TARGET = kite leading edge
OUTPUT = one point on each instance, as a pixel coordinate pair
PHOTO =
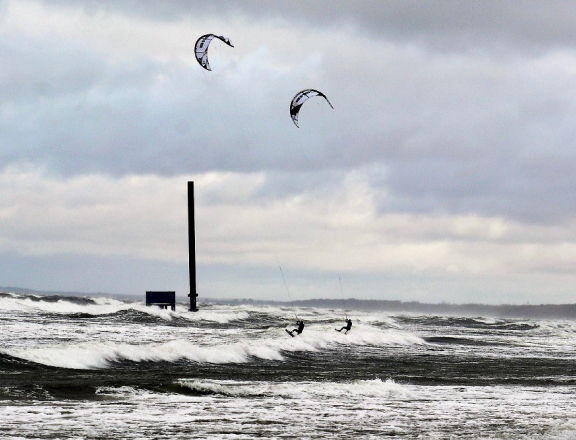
(201, 48)
(300, 99)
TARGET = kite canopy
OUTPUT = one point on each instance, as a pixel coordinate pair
(201, 48)
(300, 99)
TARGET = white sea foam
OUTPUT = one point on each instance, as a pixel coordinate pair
(102, 300)
(356, 409)
(122, 391)
(365, 335)
(62, 306)
(109, 306)
(322, 337)
(222, 317)
(298, 390)
(486, 320)
(275, 408)
(377, 318)
(101, 355)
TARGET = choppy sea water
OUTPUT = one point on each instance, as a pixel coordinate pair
(97, 368)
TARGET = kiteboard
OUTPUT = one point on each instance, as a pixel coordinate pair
(288, 331)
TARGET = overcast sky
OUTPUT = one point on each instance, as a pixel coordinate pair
(445, 172)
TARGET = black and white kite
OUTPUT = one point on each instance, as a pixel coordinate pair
(201, 48)
(300, 99)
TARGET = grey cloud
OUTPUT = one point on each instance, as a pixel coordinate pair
(534, 191)
(459, 132)
(454, 25)
(77, 111)
(34, 69)
(444, 145)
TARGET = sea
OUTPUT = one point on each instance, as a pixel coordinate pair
(103, 368)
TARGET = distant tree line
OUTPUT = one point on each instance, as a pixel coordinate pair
(550, 311)
(537, 311)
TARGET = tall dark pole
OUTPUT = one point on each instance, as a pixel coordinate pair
(191, 248)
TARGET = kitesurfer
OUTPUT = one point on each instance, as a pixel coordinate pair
(298, 330)
(347, 327)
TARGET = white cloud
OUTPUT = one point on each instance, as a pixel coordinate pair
(145, 217)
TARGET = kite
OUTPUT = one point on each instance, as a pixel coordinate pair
(201, 48)
(300, 99)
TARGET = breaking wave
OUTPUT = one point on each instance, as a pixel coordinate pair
(105, 306)
(104, 355)
(296, 390)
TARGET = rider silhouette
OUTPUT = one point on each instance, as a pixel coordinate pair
(347, 327)
(298, 330)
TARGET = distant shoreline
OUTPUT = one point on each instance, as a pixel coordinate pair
(543, 311)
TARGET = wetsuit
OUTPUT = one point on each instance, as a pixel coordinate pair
(297, 330)
(347, 327)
